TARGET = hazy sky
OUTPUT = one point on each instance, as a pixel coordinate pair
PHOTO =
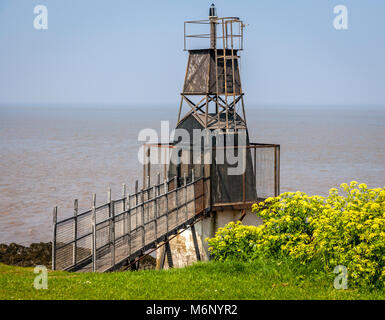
(131, 52)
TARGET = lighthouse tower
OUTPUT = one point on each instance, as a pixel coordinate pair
(212, 105)
(212, 115)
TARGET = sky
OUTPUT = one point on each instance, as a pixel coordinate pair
(119, 52)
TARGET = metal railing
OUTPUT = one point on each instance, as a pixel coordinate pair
(221, 31)
(104, 237)
(262, 172)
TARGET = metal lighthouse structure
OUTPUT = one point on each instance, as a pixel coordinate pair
(209, 174)
(212, 109)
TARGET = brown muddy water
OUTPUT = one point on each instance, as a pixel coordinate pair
(49, 156)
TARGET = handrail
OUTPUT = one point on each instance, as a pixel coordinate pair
(110, 224)
(216, 22)
(105, 205)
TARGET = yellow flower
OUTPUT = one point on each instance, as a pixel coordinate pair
(375, 206)
(353, 184)
(344, 186)
(313, 227)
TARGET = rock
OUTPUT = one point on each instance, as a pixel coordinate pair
(18, 255)
(3, 248)
(146, 263)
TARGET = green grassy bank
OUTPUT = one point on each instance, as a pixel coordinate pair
(211, 280)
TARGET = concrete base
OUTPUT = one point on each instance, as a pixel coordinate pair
(182, 246)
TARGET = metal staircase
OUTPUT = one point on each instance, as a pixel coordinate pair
(121, 231)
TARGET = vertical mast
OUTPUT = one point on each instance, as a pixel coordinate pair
(213, 27)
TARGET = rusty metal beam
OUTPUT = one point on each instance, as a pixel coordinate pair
(196, 246)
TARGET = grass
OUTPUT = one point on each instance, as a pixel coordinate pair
(206, 280)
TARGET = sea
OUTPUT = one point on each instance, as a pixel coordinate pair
(53, 154)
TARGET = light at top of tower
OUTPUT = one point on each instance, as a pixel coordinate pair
(212, 11)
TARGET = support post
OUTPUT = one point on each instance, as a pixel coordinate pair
(185, 196)
(109, 215)
(136, 202)
(163, 258)
(156, 211)
(94, 232)
(166, 156)
(176, 199)
(148, 197)
(276, 170)
(148, 167)
(112, 226)
(76, 209)
(166, 195)
(157, 203)
(143, 224)
(54, 217)
(213, 33)
(180, 106)
(144, 166)
(255, 171)
(195, 240)
(193, 190)
(169, 256)
(129, 224)
(124, 222)
(207, 107)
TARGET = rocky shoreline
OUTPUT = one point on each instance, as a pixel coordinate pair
(34, 255)
(41, 254)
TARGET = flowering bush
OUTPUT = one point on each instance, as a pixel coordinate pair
(346, 228)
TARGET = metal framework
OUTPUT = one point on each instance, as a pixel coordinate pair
(223, 71)
(122, 231)
(221, 22)
(265, 159)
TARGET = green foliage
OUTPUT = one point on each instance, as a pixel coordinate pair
(342, 229)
